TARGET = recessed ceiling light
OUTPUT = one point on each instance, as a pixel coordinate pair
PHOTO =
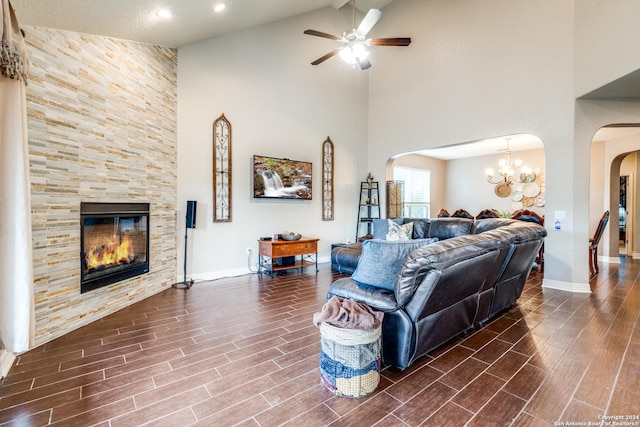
(219, 7)
(165, 12)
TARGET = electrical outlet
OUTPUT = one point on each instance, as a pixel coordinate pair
(248, 251)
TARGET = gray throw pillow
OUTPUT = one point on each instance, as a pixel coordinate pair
(381, 260)
(420, 227)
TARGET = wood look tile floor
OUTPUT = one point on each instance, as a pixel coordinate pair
(243, 351)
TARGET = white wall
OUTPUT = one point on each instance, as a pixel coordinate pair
(477, 70)
(278, 105)
(474, 70)
(604, 51)
(606, 34)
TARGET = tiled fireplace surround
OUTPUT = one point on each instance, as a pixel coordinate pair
(102, 128)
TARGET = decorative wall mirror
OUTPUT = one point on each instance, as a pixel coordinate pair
(221, 170)
(327, 180)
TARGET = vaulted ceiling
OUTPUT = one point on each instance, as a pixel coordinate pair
(192, 20)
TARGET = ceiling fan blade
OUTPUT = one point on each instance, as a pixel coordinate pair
(321, 34)
(369, 21)
(390, 41)
(325, 57)
(365, 64)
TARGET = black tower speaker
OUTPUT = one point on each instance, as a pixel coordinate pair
(191, 213)
(191, 223)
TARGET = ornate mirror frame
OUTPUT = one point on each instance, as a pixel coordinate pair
(327, 180)
(221, 170)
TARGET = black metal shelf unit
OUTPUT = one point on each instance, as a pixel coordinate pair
(368, 209)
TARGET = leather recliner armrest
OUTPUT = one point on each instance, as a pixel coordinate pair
(377, 298)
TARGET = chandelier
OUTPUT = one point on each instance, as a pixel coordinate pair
(510, 170)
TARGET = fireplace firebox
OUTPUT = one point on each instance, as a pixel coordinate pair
(114, 243)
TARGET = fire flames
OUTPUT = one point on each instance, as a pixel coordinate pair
(109, 253)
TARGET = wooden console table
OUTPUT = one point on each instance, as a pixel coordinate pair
(270, 250)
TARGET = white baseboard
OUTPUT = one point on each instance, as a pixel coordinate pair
(6, 361)
(566, 286)
(609, 259)
(636, 255)
(214, 275)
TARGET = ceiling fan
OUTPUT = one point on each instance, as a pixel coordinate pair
(354, 42)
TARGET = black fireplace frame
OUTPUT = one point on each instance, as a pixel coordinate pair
(107, 210)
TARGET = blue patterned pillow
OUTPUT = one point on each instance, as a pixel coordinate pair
(381, 260)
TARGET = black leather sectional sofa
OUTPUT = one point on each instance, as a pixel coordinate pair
(476, 270)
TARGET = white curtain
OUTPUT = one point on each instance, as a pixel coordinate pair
(16, 267)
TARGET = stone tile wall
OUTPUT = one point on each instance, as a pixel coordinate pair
(102, 128)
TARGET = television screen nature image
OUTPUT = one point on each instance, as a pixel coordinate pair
(281, 178)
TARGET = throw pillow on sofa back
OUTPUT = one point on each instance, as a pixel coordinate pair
(420, 227)
(381, 227)
(399, 232)
(381, 260)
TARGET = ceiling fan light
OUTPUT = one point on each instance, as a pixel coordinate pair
(347, 55)
(165, 12)
(353, 49)
(351, 54)
(359, 51)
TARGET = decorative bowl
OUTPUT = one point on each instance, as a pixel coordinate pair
(291, 236)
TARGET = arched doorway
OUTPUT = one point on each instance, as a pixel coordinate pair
(615, 166)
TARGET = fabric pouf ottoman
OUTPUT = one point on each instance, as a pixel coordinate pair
(350, 360)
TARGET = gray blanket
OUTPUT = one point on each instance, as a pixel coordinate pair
(349, 314)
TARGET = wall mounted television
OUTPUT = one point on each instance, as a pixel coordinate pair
(275, 178)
